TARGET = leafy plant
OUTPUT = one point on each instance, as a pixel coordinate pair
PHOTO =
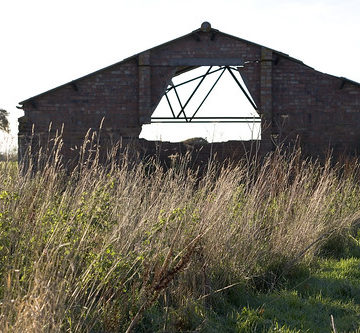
(108, 246)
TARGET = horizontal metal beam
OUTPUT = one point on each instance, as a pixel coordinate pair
(204, 121)
(169, 118)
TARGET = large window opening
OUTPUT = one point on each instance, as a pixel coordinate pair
(208, 102)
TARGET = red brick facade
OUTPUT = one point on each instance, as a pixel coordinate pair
(295, 101)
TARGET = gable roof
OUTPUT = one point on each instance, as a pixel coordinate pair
(205, 27)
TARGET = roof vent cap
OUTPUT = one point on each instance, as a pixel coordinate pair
(205, 27)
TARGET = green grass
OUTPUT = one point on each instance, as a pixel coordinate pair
(332, 289)
(303, 302)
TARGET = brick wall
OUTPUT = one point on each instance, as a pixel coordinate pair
(320, 110)
(295, 101)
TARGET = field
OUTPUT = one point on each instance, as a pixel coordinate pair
(131, 247)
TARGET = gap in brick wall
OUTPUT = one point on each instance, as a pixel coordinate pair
(225, 100)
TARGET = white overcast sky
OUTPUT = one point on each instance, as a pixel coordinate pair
(45, 43)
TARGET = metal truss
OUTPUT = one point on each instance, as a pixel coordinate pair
(181, 116)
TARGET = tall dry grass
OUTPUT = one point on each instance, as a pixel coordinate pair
(95, 249)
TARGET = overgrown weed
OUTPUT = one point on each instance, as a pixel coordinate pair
(102, 247)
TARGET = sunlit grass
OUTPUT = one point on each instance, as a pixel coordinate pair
(131, 246)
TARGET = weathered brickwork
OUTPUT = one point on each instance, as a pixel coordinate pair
(296, 103)
(321, 110)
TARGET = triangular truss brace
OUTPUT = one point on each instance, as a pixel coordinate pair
(181, 116)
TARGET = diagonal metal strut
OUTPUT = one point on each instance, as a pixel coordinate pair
(193, 93)
(194, 79)
(213, 86)
(242, 89)
(178, 98)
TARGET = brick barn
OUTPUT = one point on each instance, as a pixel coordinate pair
(295, 103)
